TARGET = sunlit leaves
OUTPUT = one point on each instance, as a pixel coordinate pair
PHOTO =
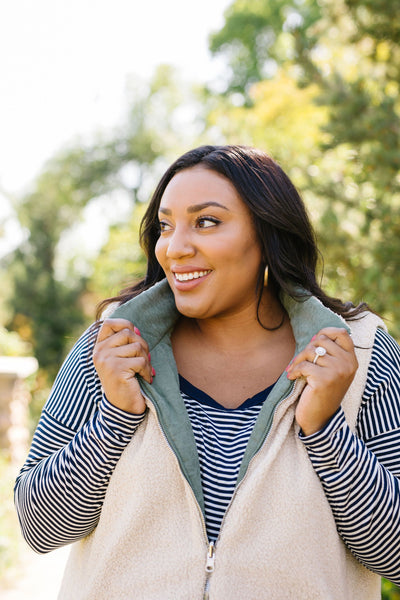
(330, 112)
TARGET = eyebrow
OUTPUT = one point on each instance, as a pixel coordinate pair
(194, 208)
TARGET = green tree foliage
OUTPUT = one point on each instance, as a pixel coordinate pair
(120, 261)
(258, 35)
(51, 291)
(45, 310)
(347, 54)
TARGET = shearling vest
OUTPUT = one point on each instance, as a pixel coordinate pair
(278, 539)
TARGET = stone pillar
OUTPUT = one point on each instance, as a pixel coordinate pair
(14, 400)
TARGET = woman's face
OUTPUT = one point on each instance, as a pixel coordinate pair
(208, 247)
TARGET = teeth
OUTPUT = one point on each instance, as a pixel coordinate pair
(189, 276)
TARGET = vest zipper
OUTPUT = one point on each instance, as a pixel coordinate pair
(285, 400)
(209, 568)
(211, 546)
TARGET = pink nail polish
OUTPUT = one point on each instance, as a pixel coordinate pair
(136, 330)
(313, 338)
(153, 372)
(149, 355)
(289, 365)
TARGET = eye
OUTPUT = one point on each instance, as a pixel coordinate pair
(206, 222)
(164, 226)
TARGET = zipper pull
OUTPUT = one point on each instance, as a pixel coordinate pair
(210, 558)
(209, 569)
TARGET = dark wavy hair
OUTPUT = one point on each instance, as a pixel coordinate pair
(280, 219)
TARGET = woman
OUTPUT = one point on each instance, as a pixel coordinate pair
(236, 434)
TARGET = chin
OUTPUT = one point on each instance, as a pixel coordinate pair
(190, 311)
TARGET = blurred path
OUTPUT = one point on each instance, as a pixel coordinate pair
(39, 576)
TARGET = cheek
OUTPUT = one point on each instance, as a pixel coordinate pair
(247, 252)
(159, 251)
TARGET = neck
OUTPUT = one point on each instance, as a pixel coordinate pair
(242, 329)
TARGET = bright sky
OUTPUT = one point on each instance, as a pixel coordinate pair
(64, 66)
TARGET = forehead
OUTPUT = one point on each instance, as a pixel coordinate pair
(198, 185)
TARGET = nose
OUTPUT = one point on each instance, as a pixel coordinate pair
(180, 244)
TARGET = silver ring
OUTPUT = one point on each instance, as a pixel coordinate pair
(319, 351)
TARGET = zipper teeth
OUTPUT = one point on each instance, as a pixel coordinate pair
(284, 401)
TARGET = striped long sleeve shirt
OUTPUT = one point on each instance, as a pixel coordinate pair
(80, 437)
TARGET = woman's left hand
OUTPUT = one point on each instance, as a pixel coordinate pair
(328, 378)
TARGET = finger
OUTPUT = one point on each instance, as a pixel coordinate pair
(131, 350)
(120, 345)
(123, 338)
(335, 341)
(111, 326)
(338, 335)
(303, 369)
(139, 365)
(340, 362)
(309, 354)
(129, 359)
(332, 349)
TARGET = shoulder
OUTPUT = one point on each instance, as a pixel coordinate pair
(109, 309)
(363, 328)
(77, 388)
(386, 346)
(380, 408)
(385, 362)
(81, 352)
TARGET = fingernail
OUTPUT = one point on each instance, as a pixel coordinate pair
(153, 372)
(149, 355)
(313, 338)
(136, 330)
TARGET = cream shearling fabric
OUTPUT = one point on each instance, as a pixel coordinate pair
(280, 534)
(117, 560)
(278, 539)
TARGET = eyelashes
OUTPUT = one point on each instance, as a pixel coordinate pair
(162, 226)
(202, 222)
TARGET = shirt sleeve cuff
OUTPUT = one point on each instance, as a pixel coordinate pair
(121, 423)
(320, 437)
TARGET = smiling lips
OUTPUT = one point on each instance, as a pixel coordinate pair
(191, 275)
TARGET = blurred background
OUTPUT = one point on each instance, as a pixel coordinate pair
(97, 99)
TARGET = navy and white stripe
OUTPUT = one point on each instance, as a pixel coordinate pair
(61, 487)
(60, 490)
(221, 436)
(361, 474)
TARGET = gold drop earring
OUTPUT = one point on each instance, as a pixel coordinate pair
(266, 276)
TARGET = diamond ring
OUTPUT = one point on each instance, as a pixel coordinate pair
(319, 351)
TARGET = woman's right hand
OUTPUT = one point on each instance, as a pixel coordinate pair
(119, 354)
